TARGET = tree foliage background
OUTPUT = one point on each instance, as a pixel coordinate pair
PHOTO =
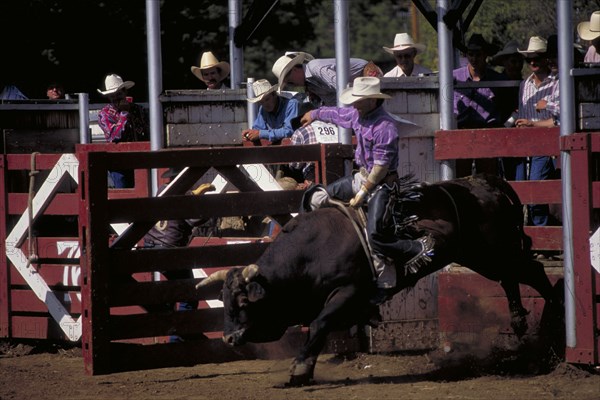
(78, 42)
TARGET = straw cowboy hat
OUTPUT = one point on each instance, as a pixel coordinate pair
(113, 83)
(403, 41)
(261, 88)
(208, 60)
(363, 88)
(590, 30)
(285, 63)
(536, 46)
(509, 49)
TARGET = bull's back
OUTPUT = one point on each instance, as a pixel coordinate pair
(318, 251)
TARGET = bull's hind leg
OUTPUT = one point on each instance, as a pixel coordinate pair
(529, 273)
(518, 313)
(532, 274)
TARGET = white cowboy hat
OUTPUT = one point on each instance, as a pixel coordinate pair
(113, 83)
(284, 65)
(208, 60)
(403, 41)
(363, 88)
(590, 30)
(261, 88)
(536, 45)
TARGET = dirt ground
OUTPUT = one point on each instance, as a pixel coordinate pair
(29, 371)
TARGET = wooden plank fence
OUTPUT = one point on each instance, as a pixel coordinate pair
(111, 340)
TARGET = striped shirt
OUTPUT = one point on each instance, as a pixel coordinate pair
(530, 94)
(321, 77)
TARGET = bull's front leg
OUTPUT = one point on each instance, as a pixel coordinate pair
(303, 366)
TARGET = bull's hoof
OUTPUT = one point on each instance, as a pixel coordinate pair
(300, 380)
(519, 325)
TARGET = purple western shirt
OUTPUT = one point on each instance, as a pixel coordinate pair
(376, 134)
(475, 107)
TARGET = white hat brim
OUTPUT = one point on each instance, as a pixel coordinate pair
(347, 97)
(225, 69)
(260, 97)
(583, 29)
(124, 85)
(417, 46)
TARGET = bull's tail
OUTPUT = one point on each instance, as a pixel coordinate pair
(519, 217)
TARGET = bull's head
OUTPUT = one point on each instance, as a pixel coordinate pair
(241, 297)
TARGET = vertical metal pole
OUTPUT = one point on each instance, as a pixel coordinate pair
(446, 95)
(567, 127)
(252, 107)
(342, 57)
(84, 118)
(236, 55)
(154, 82)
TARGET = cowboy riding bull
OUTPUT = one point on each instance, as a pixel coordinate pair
(317, 271)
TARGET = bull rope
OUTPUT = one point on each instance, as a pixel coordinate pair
(359, 231)
(30, 242)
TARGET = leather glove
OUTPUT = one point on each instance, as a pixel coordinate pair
(359, 197)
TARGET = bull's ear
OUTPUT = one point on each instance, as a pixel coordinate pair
(255, 291)
(220, 296)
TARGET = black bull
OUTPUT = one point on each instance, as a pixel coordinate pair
(316, 273)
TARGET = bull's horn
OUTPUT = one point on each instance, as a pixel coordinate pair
(250, 272)
(214, 277)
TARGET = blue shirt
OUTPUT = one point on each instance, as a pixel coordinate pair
(376, 134)
(476, 107)
(277, 125)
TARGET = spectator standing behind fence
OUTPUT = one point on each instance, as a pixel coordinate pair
(55, 91)
(318, 77)
(590, 30)
(539, 89)
(212, 71)
(477, 107)
(404, 51)
(275, 114)
(121, 120)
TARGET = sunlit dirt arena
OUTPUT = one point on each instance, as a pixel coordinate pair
(30, 372)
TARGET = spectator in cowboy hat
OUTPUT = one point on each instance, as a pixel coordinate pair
(318, 77)
(275, 113)
(121, 120)
(537, 91)
(477, 107)
(591, 31)
(512, 61)
(404, 51)
(211, 71)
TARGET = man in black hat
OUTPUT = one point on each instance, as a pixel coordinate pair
(476, 107)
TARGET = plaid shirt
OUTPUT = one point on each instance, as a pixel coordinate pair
(122, 126)
(304, 135)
